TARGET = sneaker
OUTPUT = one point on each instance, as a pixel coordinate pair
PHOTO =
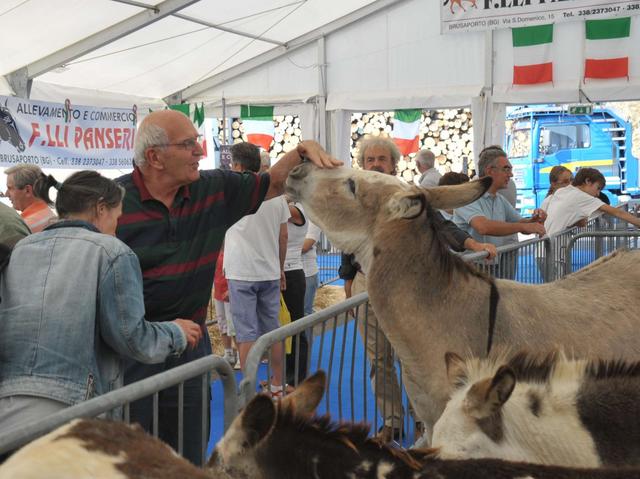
(230, 357)
(237, 365)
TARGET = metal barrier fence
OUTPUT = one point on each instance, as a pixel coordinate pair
(589, 246)
(328, 261)
(336, 335)
(116, 403)
(335, 332)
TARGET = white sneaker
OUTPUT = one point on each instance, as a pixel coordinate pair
(231, 358)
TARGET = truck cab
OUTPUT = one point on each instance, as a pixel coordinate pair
(542, 137)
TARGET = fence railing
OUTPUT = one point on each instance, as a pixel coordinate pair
(337, 338)
(598, 244)
(120, 399)
(328, 261)
(335, 332)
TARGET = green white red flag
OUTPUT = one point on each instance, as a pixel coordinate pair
(406, 128)
(607, 45)
(532, 54)
(258, 125)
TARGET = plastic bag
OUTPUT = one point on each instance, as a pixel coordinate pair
(285, 318)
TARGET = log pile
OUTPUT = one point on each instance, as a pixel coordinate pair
(447, 133)
(287, 134)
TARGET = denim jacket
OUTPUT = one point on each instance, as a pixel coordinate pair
(71, 307)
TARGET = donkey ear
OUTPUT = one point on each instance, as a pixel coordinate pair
(456, 370)
(258, 418)
(455, 196)
(486, 397)
(306, 397)
(405, 205)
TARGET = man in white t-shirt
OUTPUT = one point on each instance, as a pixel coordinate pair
(310, 266)
(425, 162)
(254, 253)
(571, 205)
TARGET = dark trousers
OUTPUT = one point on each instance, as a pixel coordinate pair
(141, 411)
(294, 299)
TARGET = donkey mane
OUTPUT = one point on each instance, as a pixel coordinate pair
(354, 435)
(533, 368)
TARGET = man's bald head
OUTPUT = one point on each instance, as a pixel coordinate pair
(160, 128)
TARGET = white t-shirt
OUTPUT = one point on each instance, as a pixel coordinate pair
(545, 202)
(251, 251)
(430, 178)
(297, 234)
(567, 206)
(310, 258)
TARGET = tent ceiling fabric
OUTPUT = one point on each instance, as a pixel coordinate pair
(391, 55)
(148, 61)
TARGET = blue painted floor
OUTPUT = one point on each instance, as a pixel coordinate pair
(353, 401)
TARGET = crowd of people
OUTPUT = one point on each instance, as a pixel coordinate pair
(113, 286)
(126, 272)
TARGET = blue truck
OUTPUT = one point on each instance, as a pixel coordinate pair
(574, 136)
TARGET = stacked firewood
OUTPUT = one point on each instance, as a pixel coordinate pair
(447, 133)
(287, 134)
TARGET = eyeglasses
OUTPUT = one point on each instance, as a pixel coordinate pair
(188, 144)
(504, 169)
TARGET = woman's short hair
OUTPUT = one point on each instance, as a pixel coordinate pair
(81, 192)
(453, 178)
(591, 174)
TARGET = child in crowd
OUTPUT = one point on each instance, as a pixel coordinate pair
(575, 203)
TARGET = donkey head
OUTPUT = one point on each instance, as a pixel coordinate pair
(243, 451)
(472, 420)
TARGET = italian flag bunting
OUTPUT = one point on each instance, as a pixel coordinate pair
(181, 107)
(606, 48)
(532, 54)
(258, 125)
(406, 126)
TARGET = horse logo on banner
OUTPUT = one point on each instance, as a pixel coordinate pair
(9, 130)
(459, 3)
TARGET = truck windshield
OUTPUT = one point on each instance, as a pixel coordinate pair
(520, 143)
(554, 138)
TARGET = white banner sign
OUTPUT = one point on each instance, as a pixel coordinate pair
(473, 15)
(56, 135)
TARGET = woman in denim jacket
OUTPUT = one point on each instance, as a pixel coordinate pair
(71, 307)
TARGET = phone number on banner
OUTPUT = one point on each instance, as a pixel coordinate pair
(602, 10)
(63, 162)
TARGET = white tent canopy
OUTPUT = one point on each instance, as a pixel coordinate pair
(310, 56)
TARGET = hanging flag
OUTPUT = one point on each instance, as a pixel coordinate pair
(182, 107)
(607, 48)
(198, 115)
(406, 126)
(532, 54)
(258, 124)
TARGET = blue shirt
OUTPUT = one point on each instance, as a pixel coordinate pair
(493, 207)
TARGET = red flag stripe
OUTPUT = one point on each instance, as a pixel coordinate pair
(532, 74)
(609, 68)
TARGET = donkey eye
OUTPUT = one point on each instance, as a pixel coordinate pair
(352, 185)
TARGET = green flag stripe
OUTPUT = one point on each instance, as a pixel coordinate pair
(608, 28)
(182, 107)
(529, 36)
(256, 112)
(407, 116)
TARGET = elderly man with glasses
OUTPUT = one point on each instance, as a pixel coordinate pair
(491, 218)
(174, 217)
